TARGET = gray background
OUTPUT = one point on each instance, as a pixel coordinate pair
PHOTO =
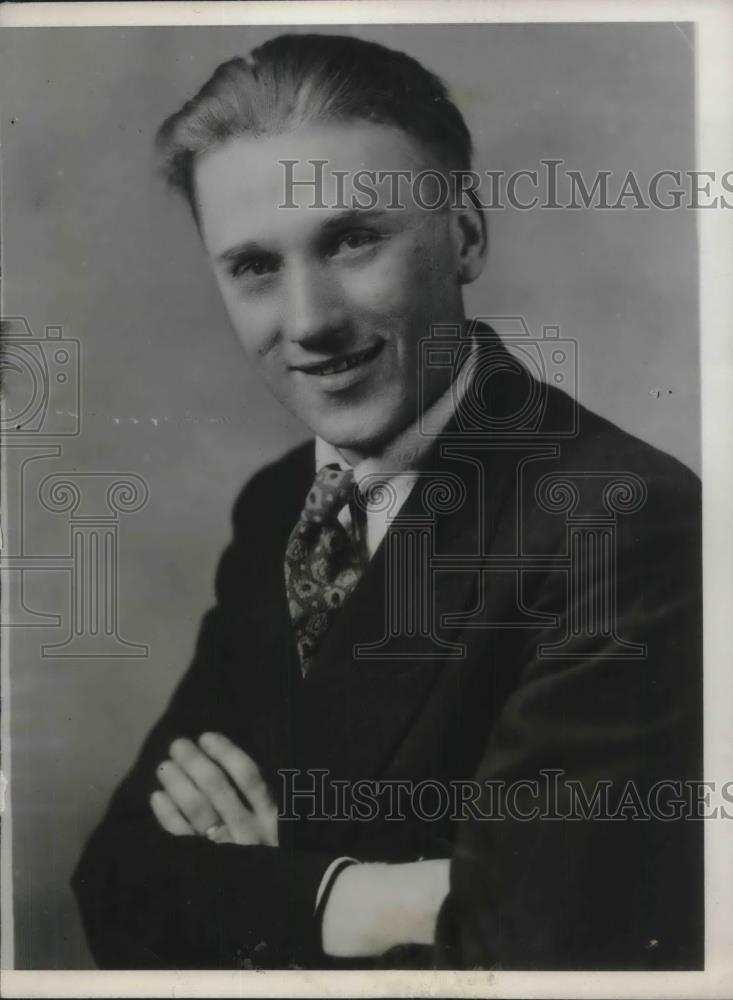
(92, 242)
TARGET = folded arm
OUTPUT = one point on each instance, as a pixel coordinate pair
(152, 900)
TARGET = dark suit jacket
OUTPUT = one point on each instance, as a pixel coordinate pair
(523, 674)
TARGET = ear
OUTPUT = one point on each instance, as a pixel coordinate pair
(472, 241)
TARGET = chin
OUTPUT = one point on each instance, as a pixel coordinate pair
(365, 425)
(360, 438)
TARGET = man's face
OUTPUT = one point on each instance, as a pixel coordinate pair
(331, 303)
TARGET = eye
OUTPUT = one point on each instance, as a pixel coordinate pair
(255, 267)
(355, 240)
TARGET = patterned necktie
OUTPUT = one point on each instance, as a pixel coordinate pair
(323, 562)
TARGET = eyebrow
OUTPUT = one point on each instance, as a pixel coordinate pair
(352, 216)
(240, 250)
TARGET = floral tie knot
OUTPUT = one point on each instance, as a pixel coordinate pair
(331, 491)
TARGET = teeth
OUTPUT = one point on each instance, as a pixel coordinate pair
(342, 366)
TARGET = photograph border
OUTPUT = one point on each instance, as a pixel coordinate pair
(713, 23)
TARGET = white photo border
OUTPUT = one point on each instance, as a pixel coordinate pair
(713, 22)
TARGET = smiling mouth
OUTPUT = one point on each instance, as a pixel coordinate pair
(342, 363)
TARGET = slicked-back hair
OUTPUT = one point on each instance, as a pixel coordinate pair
(292, 80)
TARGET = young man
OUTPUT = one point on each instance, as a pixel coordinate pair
(447, 703)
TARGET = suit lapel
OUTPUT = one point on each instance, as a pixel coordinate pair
(390, 643)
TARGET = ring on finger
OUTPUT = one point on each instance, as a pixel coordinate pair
(215, 832)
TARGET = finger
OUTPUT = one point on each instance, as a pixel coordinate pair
(212, 781)
(220, 834)
(191, 802)
(169, 816)
(246, 776)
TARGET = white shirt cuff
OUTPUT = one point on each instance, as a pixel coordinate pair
(327, 875)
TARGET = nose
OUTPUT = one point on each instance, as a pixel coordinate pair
(313, 308)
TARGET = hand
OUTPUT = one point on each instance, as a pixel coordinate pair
(214, 789)
(374, 907)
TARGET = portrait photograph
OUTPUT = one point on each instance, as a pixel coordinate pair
(366, 541)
